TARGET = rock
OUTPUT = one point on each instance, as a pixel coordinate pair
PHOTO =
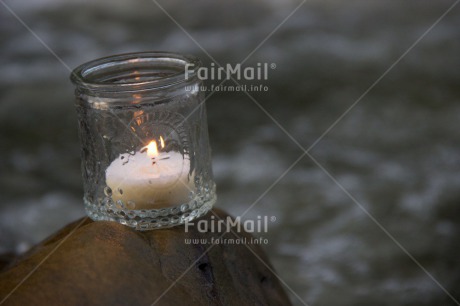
(106, 263)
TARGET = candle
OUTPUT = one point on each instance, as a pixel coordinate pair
(150, 178)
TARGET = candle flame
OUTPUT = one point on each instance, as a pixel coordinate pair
(152, 149)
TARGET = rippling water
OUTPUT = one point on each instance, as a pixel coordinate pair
(360, 238)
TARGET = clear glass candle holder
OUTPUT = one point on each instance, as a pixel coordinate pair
(146, 159)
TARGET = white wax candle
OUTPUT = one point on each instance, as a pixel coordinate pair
(150, 179)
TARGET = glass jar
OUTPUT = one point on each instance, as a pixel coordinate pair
(146, 159)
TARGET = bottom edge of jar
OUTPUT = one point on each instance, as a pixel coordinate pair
(148, 219)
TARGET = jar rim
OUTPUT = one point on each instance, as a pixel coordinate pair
(129, 72)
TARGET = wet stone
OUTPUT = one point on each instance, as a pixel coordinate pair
(102, 263)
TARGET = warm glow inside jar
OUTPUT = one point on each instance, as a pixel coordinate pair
(146, 159)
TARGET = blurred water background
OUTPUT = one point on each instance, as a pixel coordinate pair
(396, 152)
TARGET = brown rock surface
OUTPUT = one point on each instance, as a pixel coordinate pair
(106, 263)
